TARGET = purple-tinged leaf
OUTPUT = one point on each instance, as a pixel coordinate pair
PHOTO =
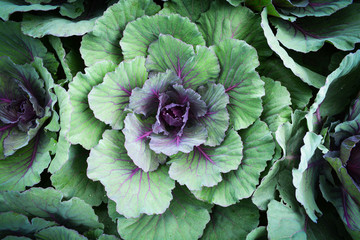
(24, 167)
(193, 67)
(133, 190)
(258, 148)
(137, 132)
(242, 83)
(345, 205)
(204, 165)
(216, 119)
(145, 100)
(310, 33)
(109, 99)
(173, 143)
(348, 183)
(181, 96)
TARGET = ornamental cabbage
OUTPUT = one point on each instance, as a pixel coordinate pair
(165, 111)
(26, 108)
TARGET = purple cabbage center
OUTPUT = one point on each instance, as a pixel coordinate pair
(20, 112)
(353, 165)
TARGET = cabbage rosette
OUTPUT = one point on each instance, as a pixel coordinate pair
(170, 123)
(26, 108)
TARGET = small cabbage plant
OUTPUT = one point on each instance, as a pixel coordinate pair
(26, 108)
(344, 158)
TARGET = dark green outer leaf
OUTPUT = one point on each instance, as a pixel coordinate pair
(223, 22)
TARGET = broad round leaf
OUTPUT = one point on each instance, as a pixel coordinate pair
(133, 190)
(136, 132)
(139, 34)
(24, 167)
(48, 205)
(299, 91)
(216, 119)
(109, 99)
(224, 22)
(242, 83)
(59, 232)
(204, 165)
(17, 224)
(38, 26)
(103, 42)
(193, 67)
(310, 33)
(258, 149)
(185, 218)
(234, 222)
(72, 181)
(85, 129)
(285, 222)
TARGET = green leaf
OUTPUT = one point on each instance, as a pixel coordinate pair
(242, 83)
(39, 26)
(290, 138)
(305, 178)
(141, 33)
(184, 219)
(224, 22)
(310, 33)
(21, 48)
(306, 75)
(109, 99)
(258, 233)
(204, 165)
(61, 54)
(85, 129)
(345, 205)
(48, 205)
(258, 149)
(17, 224)
(133, 190)
(7, 7)
(318, 8)
(284, 222)
(62, 146)
(216, 119)
(103, 42)
(24, 167)
(188, 8)
(340, 88)
(276, 103)
(72, 181)
(234, 222)
(299, 91)
(136, 132)
(59, 232)
(348, 183)
(193, 67)
(235, 3)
